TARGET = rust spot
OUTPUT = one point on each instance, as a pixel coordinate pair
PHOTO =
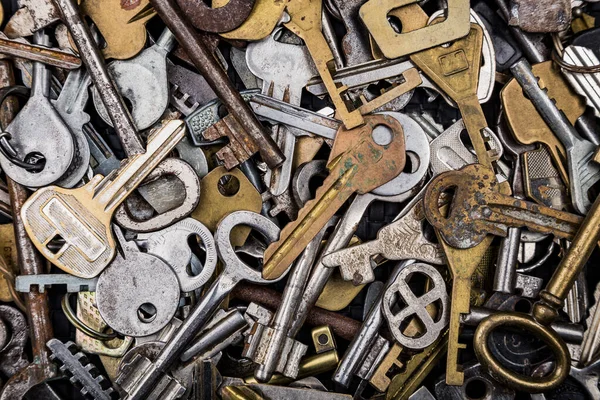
(130, 4)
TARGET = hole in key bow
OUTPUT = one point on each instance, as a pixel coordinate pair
(147, 312)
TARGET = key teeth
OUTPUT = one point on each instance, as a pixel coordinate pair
(81, 372)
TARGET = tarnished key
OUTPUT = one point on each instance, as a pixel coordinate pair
(361, 160)
(23, 283)
(82, 216)
(403, 239)
(477, 209)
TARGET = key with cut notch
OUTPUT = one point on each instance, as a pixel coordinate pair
(361, 160)
(82, 216)
(583, 172)
(478, 209)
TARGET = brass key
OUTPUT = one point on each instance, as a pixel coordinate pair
(82, 216)
(455, 69)
(477, 209)
(361, 160)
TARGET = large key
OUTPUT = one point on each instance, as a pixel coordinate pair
(82, 216)
(360, 161)
(477, 209)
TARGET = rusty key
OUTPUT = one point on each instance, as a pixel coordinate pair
(361, 160)
(208, 66)
(30, 263)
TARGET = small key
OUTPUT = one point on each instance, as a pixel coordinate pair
(82, 216)
(70, 105)
(587, 85)
(75, 284)
(477, 209)
(403, 239)
(25, 134)
(360, 161)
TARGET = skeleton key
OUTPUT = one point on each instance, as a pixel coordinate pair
(583, 173)
(24, 133)
(403, 239)
(143, 81)
(82, 216)
(355, 155)
(70, 105)
(478, 209)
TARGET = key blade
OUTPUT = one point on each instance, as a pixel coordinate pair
(81, 217)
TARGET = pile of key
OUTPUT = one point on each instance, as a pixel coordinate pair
(299, 199)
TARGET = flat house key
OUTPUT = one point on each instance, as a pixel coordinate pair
(70, 105)
(235, 271)
(583, 172)
(143, 81)
(455, 69)
(82, 216)
(25, 133)
(361, 160)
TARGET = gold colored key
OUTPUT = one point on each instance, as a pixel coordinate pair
(528, 126)
(361, 160)
(82, 216)
(455, 69)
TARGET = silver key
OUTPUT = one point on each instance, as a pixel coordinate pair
(587, 85)
(75, 284)
(583, 172)
(102, 158)
(234, 272)
(171, 245)
(25, 135)
(189, 90)
(143, 81)
(403, 239)
(70, 105)
(138, 294)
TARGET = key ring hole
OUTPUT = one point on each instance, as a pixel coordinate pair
(382, 135)
(476, 389)
(147, 312)
(228, 185)
(198, 259)
(506, 376)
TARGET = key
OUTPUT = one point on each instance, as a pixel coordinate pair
(354, 153)
(143, 81)
(206, 64)
(455, 70)
(273, 342)
(70, 105)
(221, 18)
(187, 89)
(138, 294)
(354, 43)
(32, 16)
(234, 271)
(82, 371)
(591, 338)
(583, 174)
(403, 239)
(533, 128)
(284, 69)
(540, 16)
(82, 216)
(102, 158)
(171, 245)
(24, 283)
(479, 209)
(542, 182)
(25, 145)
